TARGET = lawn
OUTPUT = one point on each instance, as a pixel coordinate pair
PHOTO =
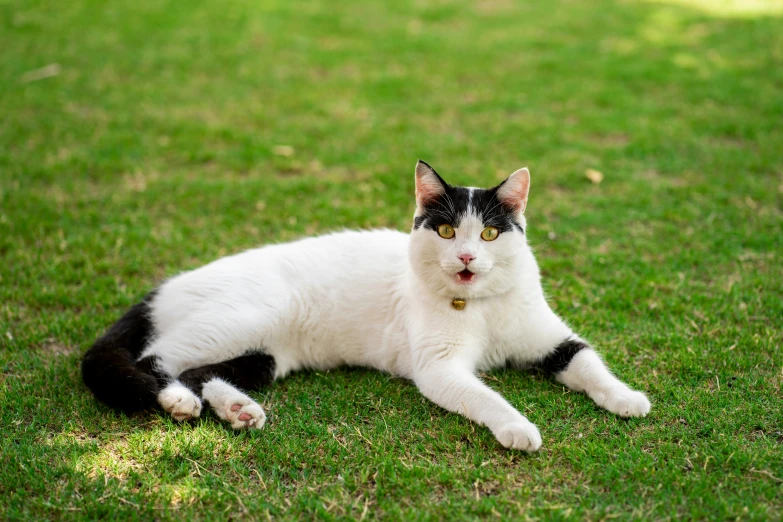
(142, 138)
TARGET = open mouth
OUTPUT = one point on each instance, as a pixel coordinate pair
(466, 276)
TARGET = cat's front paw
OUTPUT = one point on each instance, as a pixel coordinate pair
(623, 401)
(520, 435)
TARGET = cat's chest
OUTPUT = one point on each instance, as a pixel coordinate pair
(501, 340)
(491, 333)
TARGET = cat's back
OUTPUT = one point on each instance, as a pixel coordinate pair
(346, 249)
(331, 261)
(327, 265)
(357, 248)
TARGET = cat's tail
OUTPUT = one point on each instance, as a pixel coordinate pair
(109, 367)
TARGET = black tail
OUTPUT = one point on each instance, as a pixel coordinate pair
(109, 368)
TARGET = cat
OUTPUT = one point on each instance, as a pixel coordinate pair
(460, 294)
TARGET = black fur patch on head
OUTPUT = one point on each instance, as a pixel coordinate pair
(457, 202)
(251, 371)
(559, 359)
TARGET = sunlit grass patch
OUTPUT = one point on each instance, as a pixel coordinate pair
(732, 8)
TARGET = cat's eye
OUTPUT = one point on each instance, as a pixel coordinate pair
(445, 231)
(490, 234)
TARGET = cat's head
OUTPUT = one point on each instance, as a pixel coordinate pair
(468, 242)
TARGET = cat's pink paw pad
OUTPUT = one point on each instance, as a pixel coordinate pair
(243, 416)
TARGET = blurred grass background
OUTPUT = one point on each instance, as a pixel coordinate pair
(139, 139)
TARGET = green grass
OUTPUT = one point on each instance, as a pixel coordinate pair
(156, 147)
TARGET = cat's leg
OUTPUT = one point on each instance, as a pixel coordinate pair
(201, 340)
(453, 386)
(573, 362)
(219, 384)
(179, 401)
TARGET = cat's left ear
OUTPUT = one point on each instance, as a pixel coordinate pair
(513, 191)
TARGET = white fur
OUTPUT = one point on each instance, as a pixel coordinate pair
(380, 299)
(233, 406)
(587, 373)
(180, 402)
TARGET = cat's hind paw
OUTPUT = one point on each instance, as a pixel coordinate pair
(520, 435)
(233, 406)
(623, 401)
(246, 416)
(181, 403)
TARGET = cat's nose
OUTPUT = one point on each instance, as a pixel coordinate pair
(466, 258)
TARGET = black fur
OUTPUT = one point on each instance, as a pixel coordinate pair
(109, 367)
(560, 358)
(149, 365)
(251, 371)
(455, 203)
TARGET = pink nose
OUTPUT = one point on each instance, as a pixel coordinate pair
(466, 258)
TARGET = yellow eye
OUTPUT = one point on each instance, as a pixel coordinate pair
(489, 234)
(445, 231)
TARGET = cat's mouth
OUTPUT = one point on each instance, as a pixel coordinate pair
(465, 277)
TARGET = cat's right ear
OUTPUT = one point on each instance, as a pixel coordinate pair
(428, 184)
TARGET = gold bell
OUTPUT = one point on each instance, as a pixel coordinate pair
(458, 303)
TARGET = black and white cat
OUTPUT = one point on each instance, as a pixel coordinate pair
(460, 294)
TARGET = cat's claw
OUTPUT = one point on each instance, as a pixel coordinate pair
(181, 403)
(520, 435)
(623, 401)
